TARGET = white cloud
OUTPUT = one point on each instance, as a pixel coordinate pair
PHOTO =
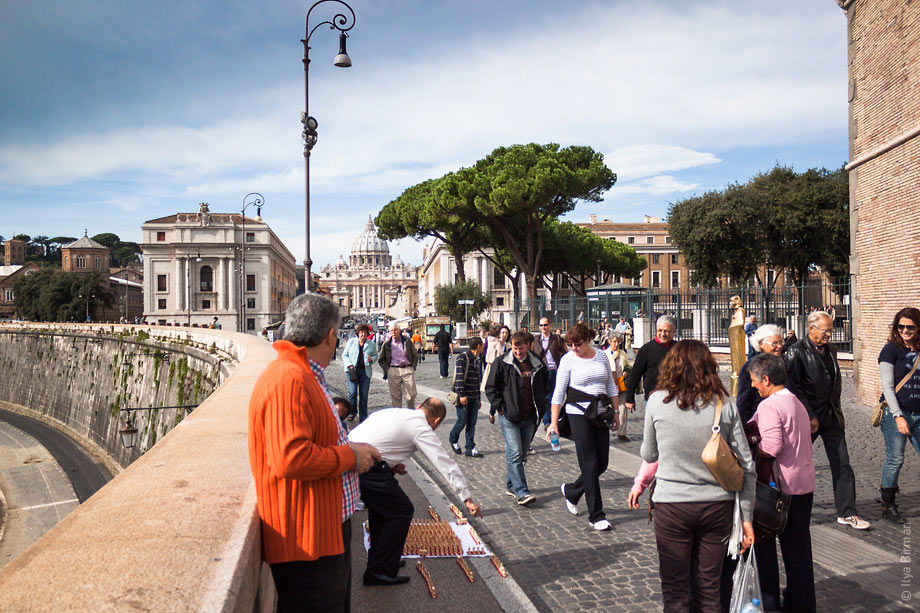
(638, 161)
(657, 186)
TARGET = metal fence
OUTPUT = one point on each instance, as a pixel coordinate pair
(704, 313)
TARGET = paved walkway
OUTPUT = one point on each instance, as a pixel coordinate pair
(561, 563)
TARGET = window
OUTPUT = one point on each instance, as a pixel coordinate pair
(205, 305)
(667, 239)
(630, 240)
(674, 259)
(98, 263)
(250, 283)
(250, 237)
(498, 278)
(161, 303)
(675, 279)
(161, 283)
(161, 236)
(8, 296)
(500, 301)
(655, 258)
(771, 277)
(80, 261)
(250, 303)
(250, 324)
(650, 240)
(66, 261)
(206, 277)
(656, 278)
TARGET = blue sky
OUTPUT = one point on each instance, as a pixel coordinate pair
(114, 112)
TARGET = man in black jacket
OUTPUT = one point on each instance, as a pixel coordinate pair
(516, 387)
(814, 377)
(648, 358)
(550, 348)
(442, 342)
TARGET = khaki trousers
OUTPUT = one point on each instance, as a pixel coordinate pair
(402, 385)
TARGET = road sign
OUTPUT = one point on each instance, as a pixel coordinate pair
(469, 302)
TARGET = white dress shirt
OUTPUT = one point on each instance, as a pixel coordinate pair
(398, 433)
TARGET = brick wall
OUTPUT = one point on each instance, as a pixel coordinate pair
(884, 92)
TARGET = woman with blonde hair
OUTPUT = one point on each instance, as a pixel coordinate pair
(693, 513)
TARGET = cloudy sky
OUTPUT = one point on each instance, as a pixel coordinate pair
(114, 112)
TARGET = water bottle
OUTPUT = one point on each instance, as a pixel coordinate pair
(752, 607)
(554, 441)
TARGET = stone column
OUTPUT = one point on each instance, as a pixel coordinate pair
(179, 285)
(484, 274)
(219, 276)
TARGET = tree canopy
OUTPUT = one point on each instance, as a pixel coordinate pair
(51, 295)
(781, 219)
(446, 299)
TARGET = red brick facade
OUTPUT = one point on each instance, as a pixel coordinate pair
(884, 92)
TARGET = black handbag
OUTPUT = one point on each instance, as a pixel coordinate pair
(563, 425)
(352, 374)
(771, 507)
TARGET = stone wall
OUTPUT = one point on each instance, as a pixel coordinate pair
(884, 94)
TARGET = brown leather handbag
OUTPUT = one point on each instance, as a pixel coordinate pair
(720, 459)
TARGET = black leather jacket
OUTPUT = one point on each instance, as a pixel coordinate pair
(505, 388)
(810, 380)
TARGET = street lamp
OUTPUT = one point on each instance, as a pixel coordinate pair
(88, 298)
(257, 200)
(339, 22)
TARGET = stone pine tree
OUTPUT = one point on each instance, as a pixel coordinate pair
(447, 298)
(516, 190)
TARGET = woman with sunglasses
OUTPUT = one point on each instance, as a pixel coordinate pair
(585, 370)
(765, 339)
(901, 419)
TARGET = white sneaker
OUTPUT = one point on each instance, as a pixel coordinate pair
(601, 525)
(573, 508)
(854, 521)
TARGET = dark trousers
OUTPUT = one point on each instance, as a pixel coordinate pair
(692, 542)
(444, 359)
(835, 446)
(389, 514)
(550, 387)
(323, 584)
(467, 415)
(795, 542)
(592, 448)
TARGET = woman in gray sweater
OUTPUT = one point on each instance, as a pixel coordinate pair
(693, 513)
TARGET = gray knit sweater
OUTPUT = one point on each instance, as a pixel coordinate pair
(675, 439)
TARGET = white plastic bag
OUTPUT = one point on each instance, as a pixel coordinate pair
(734, 541)
(746, 585)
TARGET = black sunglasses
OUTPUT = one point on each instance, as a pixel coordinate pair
(908, 327)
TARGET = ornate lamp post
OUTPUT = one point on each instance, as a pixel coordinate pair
(257, 200)
(343, 24)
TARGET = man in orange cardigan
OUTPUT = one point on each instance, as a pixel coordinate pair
(304, 468)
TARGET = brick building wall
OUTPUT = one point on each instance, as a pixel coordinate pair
(884, 114)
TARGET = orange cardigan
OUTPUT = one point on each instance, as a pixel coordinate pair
(296, 461)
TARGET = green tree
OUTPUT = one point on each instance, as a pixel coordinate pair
(517, 189)
(122, 253)
(52, 295)
(447, 297)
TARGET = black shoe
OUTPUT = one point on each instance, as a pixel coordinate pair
(474, 453)
(376, 579)
(456, 448)
(624, 438)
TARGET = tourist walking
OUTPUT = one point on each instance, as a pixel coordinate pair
(649, 356)
(549, 347)
(619, 364)
(304, 468)
(814, 377)
(785, 442)
(398, 359)
(497, 348)
(442, 343)
(693, 513)
(766, 339)
(358, 359)
(585, 383)
(466, 386)
(517, 390)
(897, 365)
(419, 347)
(625, 331)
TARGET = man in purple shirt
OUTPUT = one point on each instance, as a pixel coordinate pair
(398, 359)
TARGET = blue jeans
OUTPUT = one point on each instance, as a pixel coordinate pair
(356, 388)
(550, 386)
(895, 442)
(517, 440)
(466, 418)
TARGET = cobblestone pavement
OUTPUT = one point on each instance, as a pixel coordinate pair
(561, 563)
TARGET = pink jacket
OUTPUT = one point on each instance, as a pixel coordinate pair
(644, 478)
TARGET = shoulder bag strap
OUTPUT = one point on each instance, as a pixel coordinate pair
(909, 375)
(718, 414)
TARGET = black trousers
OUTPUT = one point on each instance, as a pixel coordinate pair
(795, 542)
(323, 584)
(835, 446)
(592, 448)
(692, 541)
(389, 513)
(444, 359)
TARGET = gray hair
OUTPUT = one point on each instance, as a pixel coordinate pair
(817, 315)
(763, 333)
(309, 319)
(667, 319)
(770, 365)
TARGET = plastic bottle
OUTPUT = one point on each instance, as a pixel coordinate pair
(752, 607)
(554, 441)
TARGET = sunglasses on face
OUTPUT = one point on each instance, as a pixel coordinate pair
(907, 327)
(543, 325)
(575, 345)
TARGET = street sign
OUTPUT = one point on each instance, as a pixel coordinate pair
(469, 302)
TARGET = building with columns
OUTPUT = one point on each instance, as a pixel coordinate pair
(198, 266)
(372, 282)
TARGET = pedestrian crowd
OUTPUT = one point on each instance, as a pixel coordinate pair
(312, 473)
